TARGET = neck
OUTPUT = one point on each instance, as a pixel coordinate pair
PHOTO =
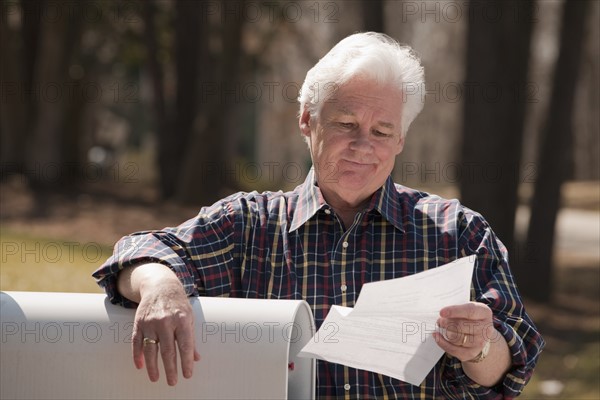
(347, 218)
(345, 210)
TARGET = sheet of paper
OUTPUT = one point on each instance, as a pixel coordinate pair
(389, 330)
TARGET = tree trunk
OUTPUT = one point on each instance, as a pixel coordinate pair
(494, 110)
(12, 107)
(373, 19)
(206, 172)
(189, 29)
(166, 170)
(45, 163)
(74, 109)
(19, 109)
(43, 119)
(555, 159)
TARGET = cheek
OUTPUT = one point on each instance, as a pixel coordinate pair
(331, 146)
(319, 148)
(386, 155)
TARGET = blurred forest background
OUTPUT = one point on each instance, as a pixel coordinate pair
(118, 116)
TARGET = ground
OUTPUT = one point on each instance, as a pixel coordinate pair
(54, 243)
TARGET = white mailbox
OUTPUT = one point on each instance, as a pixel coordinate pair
(77, 346)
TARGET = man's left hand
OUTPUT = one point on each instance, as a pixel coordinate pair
(466, 328)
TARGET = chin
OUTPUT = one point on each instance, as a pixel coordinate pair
(354, 183)
(357, 191)
(358, 180)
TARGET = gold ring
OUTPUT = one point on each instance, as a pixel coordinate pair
(148, 341)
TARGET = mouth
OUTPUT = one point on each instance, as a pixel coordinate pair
(357, 163)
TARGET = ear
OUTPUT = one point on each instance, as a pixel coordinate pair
(304, 123)
(400, 146)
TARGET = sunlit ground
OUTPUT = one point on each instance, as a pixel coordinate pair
(47, 265)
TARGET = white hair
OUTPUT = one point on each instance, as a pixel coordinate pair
(369, 55)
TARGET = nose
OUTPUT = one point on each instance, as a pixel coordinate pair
(361, 141)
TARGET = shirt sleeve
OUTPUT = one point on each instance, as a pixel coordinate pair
(199, 250)
(493, 285)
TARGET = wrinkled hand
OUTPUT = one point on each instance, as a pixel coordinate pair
(467, 328)
(164, 314)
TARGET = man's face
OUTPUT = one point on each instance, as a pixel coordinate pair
(355, 140)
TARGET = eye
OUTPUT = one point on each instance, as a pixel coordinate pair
(381, 134)
(347, 125)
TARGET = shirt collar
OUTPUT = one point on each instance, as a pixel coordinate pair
(310, 200)
(386, 201)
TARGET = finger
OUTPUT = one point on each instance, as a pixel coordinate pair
(463, 353)
(151, 357)
(470, 311)
(187, 350)
(168, 354)
(137, 347)
(460, 339)
(459, 326)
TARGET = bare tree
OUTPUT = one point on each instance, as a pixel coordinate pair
(202, 173)
(191, 127)
(191, 41)
(494, 112)
(373, 15)
(52, 151)
(12, 113)
(166, 146)
(556, 148)
(18, 67)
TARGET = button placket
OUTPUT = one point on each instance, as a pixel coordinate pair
(343, 287)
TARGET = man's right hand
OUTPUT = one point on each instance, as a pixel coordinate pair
(164, 318)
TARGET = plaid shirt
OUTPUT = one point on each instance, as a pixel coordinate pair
(293, 246)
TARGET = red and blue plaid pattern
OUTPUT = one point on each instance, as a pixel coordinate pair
(292, 246)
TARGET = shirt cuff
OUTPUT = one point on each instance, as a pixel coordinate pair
(134, 250)
(514, 380)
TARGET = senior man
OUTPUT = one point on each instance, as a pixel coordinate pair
(346, 225)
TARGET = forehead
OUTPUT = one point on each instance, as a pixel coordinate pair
(358, 97)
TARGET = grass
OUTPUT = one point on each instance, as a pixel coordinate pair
(571, 328)
(49, 265)
(574, 366)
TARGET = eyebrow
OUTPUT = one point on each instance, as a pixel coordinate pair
(346, 111)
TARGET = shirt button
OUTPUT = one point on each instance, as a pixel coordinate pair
(345, 244)
(344, 288)
(347, 386)
(327, 211)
